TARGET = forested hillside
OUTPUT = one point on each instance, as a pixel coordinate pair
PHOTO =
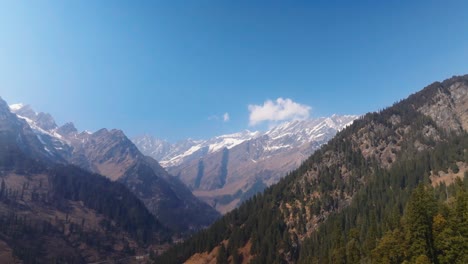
(53, 213)
(340, 204)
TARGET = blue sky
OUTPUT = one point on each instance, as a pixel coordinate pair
(174, 68)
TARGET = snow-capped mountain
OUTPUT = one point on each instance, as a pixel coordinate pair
(286, 135)
(170, 155)
(111, 154)
(296, 133)
(227, 169)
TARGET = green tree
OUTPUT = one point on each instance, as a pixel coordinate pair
(391, 248)
(353, 248)
(451, 235)
(222, 257)
(419, 215)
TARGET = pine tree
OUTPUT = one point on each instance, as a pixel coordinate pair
(451, 235)
(419, 213)
(3, 189)
(390, 249)
(222, 255)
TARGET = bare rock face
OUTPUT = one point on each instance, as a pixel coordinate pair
(459, 94)
(25, 111)
(67, 129)
(19, 131)
(449, 105)
(46, 121)
(43, 120)
(106, 152)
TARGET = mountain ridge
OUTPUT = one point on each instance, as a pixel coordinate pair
(172, 154)
(51, 211)
(341, 200)
(112, 154)
(225, 175)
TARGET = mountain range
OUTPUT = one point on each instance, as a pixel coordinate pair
(390, 188)
(226, 170)
(54, 212)
(111, 154)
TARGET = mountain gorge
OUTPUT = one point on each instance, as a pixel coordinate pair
(111, 154)
(341, 203)
(226, 170)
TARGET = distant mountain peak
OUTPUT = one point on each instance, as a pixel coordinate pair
(23, 110)
(40, 120)
(16, 107)
(67, 129)
(170, 155)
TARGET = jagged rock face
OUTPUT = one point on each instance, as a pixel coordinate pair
(25, 111)
(43, 128)
(45, 121)
(67, 129)
(153, 147)
(449, 105)
(20, 132)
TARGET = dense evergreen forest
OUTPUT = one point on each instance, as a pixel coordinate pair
(40, 223)
(364, 230)
(399, 201)
(30, 235)
(344, 202)
(111, 199)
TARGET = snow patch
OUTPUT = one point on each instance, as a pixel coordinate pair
(16, 107)
(270, 148)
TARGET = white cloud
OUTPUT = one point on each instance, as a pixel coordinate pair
(279, 110)
(226, 117)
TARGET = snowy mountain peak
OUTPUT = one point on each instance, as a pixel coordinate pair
(16, 107)
(229, 141)
(42, 121)
(253, 160)
(287, 134)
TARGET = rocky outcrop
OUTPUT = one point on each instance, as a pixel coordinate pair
(449, 104)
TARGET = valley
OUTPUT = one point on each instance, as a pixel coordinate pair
(361, 179)
(233, 132)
